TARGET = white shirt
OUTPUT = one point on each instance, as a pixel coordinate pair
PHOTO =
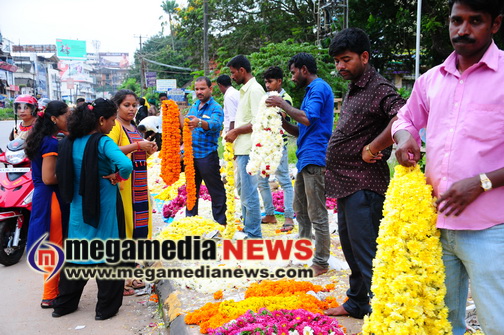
(153, 123)
(231, 99)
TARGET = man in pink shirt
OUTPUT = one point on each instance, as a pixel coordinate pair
(461, 103)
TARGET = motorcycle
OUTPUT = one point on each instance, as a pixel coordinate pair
(16, 191)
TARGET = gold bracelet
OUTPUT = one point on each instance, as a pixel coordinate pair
(369, 150)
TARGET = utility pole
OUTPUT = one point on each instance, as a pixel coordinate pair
(142, 67)
(205, 36)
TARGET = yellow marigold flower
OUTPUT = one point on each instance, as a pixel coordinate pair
(408, 278)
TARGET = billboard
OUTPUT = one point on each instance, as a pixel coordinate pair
(74, 70)
(163, 85)
(117, 60)
(71, 49)
(34, 48)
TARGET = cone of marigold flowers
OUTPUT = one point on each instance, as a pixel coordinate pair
(408, 277)
(170, 151)
(190, 172)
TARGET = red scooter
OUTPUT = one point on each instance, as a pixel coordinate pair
(16, 191)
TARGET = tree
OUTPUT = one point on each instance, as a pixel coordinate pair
(170, 7)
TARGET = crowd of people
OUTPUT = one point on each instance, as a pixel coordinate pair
(458, 102)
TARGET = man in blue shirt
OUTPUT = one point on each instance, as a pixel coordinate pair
(205, 121)
(315, 120)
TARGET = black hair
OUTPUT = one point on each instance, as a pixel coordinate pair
(162, 95)
(141, 128)
(85, 117)
(205, 79)
(44, 126)
(350, 39)
(492, 7)
(305, 59)
(240, 61)
(141, 101)
(80, 100)
(273, 72)
(121, 95)
(224, 80)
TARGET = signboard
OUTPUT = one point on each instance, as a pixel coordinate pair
(163, 85)
(70, 83)
(34, 48)
(74, 70)
(8, 67)
(176, 94)
(71, 49)
(150, 79)
(117, 60)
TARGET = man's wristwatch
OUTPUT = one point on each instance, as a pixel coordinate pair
(486, 184)
(200, 123)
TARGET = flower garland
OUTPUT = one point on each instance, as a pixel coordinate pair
(189, 166)
(280, 287)
(287, 322)
(170, 151)
(229, 169)
(267, 141)
(408, 279)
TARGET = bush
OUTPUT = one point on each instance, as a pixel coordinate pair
(6, 114)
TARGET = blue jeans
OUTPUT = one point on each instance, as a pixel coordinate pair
(476, 255)
(247, 188)
(282, 174)
(359, 216)
(310, 207)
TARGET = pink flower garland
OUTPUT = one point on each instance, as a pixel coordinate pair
(282, 321)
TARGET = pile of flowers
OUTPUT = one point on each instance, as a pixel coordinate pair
(179, 201)
(169, 193)
(267, 142)
(278, 201)
(408, 279)
(288, 322)
(170, 151)
(190, 172)
(156, 183)
(189, 226)
(293, 296)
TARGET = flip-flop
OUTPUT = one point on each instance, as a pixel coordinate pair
(286, 228)
(128, 291)
(47, 303)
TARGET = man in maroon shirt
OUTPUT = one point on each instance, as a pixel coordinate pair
(357, 171)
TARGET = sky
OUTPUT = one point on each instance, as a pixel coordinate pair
(117, 24)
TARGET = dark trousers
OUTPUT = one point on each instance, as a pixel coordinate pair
(208, 170)
(359, 216)
(110, 293)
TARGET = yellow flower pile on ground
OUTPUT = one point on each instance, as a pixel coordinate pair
(189, 226)
(408, 278)
(170, 192)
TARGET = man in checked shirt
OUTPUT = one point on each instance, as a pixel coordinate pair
(357, 171)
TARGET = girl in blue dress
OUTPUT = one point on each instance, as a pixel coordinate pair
(89, 166)
(42, 149)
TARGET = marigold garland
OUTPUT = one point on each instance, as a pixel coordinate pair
(170, 151)
(280, 287)
(267, 141)
(189, 166)
(408, 279)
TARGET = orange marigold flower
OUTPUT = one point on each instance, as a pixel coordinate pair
(170, 151)
(218, 295)
(190, 172)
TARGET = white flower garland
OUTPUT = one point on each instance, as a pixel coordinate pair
(267, 141)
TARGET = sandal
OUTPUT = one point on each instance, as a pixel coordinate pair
(286, 228)
(47, 303)
(128, 291)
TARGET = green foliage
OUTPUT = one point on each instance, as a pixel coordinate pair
(130, 84)
(278, 54)
(6, 114)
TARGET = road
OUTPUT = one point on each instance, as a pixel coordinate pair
(21, 293)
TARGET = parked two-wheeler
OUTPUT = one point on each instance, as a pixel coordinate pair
(16, 191)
